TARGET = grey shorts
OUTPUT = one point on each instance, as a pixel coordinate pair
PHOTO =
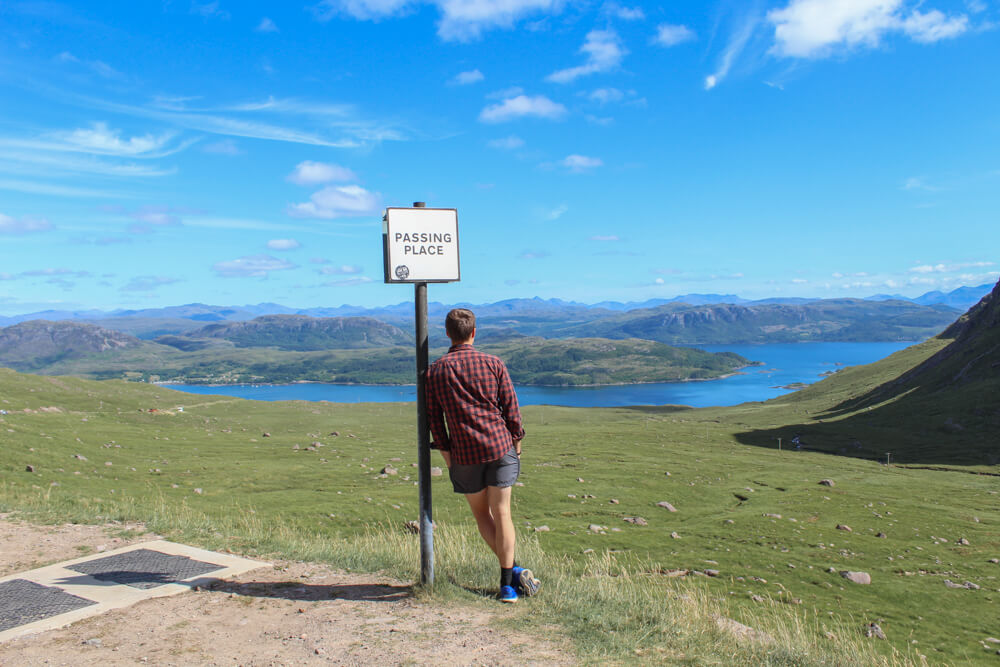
(474, 478)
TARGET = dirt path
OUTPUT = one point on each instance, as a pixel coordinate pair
(291, 614)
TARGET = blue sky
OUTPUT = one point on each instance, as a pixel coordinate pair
(159, 153)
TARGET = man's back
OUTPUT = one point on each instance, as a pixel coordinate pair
(473, 390)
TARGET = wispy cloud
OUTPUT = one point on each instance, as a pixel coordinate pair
(624, 13)
(522, 106)
(224, 147)
(534, 254)
(26, 225)
(604, 52)
(556, 213)
(283, 244)
(509, 143)
(255, 266)
(914, 183)
(316, 173)
(55, 190)
(737, 42)
(209, 10)
(668, 34)
(460, 20)
(147, 283)
(581, 163)
(817, 28)
(337, 201)
(348, 282)
(99, 67)
(605, 238)
(466, 78)
(954, 267)
(266, 25)
(344, 270)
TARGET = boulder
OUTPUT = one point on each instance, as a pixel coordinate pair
(857, 577)
(873, 630)
(827, 482)
(667, 506)
(637, 520)
(844, 527)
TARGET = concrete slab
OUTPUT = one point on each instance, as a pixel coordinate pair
(108, 580)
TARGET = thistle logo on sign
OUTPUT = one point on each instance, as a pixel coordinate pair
(420, 245)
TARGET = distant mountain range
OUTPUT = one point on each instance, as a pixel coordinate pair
(152, 322)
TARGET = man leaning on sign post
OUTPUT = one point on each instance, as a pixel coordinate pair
(481, 442)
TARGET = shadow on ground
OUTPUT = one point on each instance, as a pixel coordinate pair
(294, 590)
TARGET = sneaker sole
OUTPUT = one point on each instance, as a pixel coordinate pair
(529, 585)
(508, 601)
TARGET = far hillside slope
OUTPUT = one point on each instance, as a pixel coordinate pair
(937, 403)
(31, 345)
(303, 333)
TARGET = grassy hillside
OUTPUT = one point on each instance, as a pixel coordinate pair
(532, 361)
(937, 403)
(301, 333)
(756, 515)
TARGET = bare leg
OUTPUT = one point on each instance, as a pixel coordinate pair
(503, 527)
(484, 520)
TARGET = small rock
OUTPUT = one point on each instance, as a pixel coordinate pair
(964, 542)
(198, 491)
(873, 630)
(80, 457)
(335, 433)
(881, 535)
(827, 482)
(728, 521)
(265, 435)
(436, 472)
(712, 573)
(675, 536)
(637, 520)
(844, 527)
(995, 561)
(613, 501)
(93, 642)
(389, 470)
(857, 577)
(756, 598)
(579, 479)
(667, 474)
(29, 468)
(830, 635)
(594, 528)
(412, 527)
(541, 529)
(667, 506)
(771, 515)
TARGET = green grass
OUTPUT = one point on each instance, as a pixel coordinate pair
(261, 495)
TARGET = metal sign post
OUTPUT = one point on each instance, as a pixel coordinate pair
(420, 245)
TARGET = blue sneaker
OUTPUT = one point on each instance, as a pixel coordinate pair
(508, 594)
(525, 582)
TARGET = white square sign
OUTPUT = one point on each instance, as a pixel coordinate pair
(420, 245)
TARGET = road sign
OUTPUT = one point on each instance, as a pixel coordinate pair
(420, 245)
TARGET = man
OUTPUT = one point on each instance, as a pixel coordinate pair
(481, 443)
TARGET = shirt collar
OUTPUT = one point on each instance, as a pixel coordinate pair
(462, 346)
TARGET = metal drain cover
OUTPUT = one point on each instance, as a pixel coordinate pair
(23, 602)
(144, 568)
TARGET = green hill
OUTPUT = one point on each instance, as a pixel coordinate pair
(937, 403)
(33, 345)
(301, 333)
(831, 320)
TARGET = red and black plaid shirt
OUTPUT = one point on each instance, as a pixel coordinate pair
(474, 392)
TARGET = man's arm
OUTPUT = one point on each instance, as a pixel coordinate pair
(435, 419)
(507, 399)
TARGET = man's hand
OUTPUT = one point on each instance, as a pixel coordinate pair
(517, 447)
(447, 458)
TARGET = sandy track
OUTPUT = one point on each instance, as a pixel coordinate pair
(291, 614)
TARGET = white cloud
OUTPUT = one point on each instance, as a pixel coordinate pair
(348, 282)
(624, 13)
(556, 213)
(340, 201)
(534, 254)
(605, 238)
(209, 10)
(818, 28)
(604, 52)
(315, 173)
(283, 244)
(506, 143)
(668, 34)
(465, 78)
(101, 140)
(160, 216)
(606, 95)
(737, 42)
(504, 93)
(266, 25)
(147, 283)
(255, 266)
(934, 26)
(460, 20)
(914, 183)
(949, 268)
(799, 281)
(27, 225)
(345, 270)
(580, 163)
(522, 106)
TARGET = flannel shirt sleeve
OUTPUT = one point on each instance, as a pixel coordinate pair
(507, 399)
(435, 416)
